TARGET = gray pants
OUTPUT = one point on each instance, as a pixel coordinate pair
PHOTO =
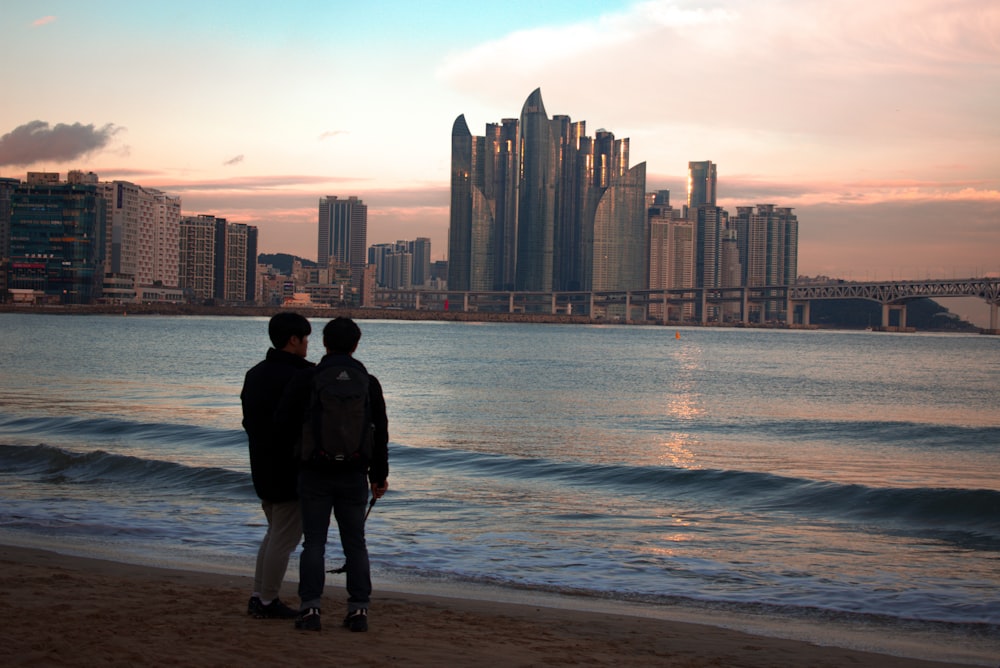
(284, 529)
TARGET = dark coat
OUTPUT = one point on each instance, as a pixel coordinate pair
(272, 459)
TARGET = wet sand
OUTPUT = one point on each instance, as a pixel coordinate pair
(71, 611)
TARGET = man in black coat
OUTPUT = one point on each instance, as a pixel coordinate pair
(273, 465)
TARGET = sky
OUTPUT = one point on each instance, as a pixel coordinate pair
(878, 122)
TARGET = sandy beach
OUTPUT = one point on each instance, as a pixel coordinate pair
(70, 611)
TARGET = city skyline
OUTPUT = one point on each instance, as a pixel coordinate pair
(538, 205)
(874, 122)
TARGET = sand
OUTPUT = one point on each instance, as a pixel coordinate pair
(70, 611)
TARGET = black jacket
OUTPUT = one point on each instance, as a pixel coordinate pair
(272, 460)
(291, 412)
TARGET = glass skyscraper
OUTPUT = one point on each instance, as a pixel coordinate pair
(534, 199)
(702, 179)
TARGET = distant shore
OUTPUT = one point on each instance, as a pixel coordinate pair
(311, 312)
(358, 313)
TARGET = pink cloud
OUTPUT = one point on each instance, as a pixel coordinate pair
(45, 20)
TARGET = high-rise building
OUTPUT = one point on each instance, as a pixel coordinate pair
(751, 236)
(767, 238)
(482, 231)
(710, 225)
(128, 217)
(464, 192)
(144, 232)
(56, 239)
(393, 264)
(343, 235)
(376, 258)
(533, 199)
(399, 270)
(730, 273)
(197, 256)
(500, 174)
(218, 260)
(702, 178)
(536, 197)
(790, 223)
(420, 248)
(671, 254)
(7, 188)
(730, 270)
(165, 251)
(620, 234)
(238, 259)
(573, 231)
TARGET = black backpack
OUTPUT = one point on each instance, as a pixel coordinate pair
(338, 426)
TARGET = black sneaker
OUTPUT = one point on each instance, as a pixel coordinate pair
(253, 605)
(308, 620)
(357, 621)
(275, 610)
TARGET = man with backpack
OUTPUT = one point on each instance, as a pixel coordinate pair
(343, 455)
(273, 464)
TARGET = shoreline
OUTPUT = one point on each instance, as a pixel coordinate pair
(360, 313)
(86, 611)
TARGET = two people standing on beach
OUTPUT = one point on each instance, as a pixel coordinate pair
(340, 488)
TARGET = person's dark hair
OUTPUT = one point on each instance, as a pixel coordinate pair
(341, 335)
(284, 326)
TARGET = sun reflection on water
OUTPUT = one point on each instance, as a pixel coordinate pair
(676, 452)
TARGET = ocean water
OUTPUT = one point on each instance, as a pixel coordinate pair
(842, 487)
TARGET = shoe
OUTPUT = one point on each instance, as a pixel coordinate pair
(253, 605)
(308, 620)
(274, 610)
(357, 621)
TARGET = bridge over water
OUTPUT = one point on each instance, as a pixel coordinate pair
(893, 296)
(790, 304)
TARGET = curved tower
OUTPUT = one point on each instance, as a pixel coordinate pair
(620, 231)
(460, 220)
(536, 197)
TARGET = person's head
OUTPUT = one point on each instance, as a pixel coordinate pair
(341, 335)
(289, 332)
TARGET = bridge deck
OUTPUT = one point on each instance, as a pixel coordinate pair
(789, 303)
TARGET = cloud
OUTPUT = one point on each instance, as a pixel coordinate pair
(126, 173)
(331, 133)
(263, 184)
(808, 71)
(45, 20)
(37, 141)
(234, 161)
(537, 47)
(739, 190)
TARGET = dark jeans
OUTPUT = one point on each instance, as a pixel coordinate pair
(346, 494)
